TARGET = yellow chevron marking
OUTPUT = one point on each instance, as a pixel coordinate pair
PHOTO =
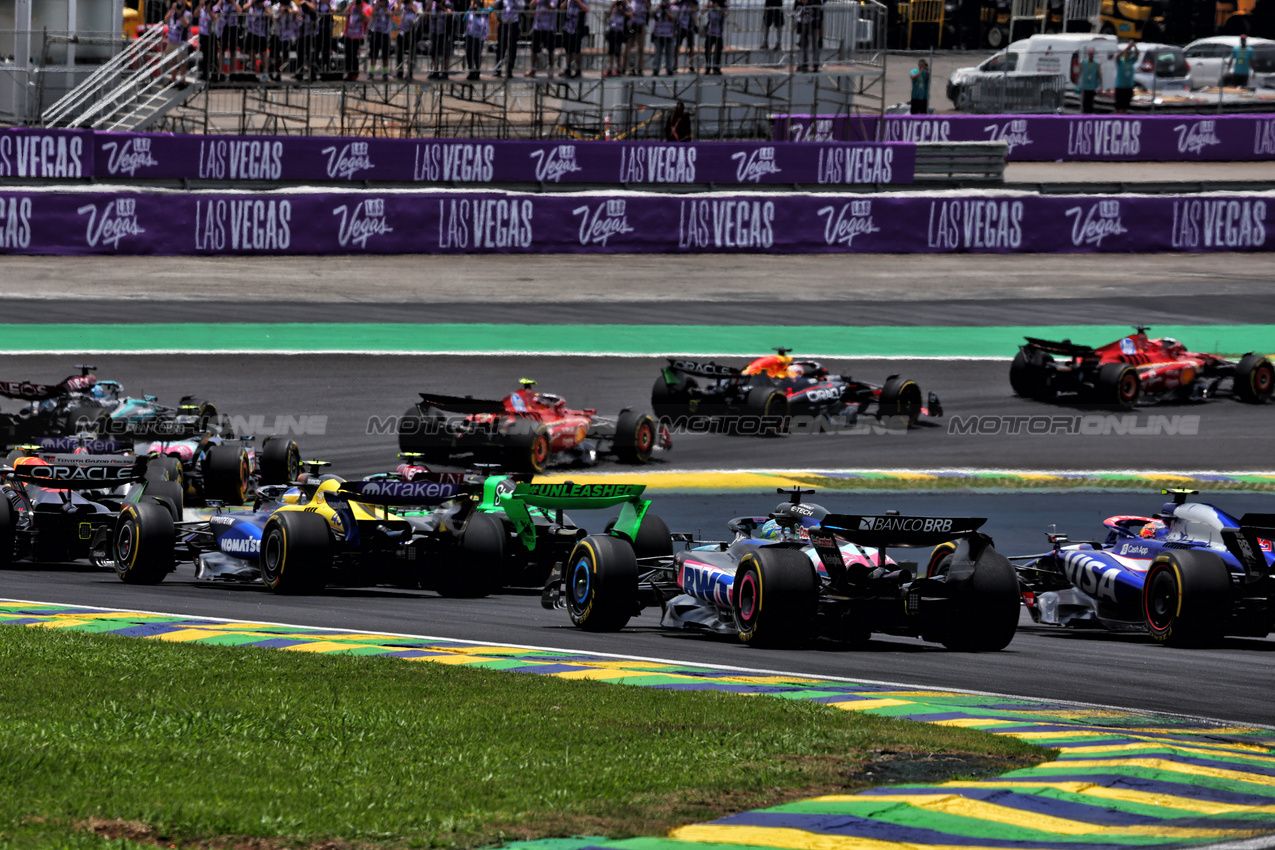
(971, 722)
(1169, 745)
(183, 635)
(864, 704)
(1161, 764)
(1125, 795)
(603, 674)
(793, 839)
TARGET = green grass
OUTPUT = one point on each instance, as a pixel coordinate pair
(107, 739)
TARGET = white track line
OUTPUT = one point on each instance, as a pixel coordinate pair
(697, 664)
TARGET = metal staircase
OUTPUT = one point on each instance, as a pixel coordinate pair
(132, 91)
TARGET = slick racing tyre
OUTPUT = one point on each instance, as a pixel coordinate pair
(769, 406)
(635, 437)
(226, 472)
(668, 402)
(424, 435)
(296, 553)
(526, 448)
(653, 537)
(8, 531)
(280, 461)
(1117, 385)
(1030, 377)
(164, 468)
(900, 397)
(1254, 379)
(602, 584)
(167, 494)
(1186, 598)
(142, 545)
(775, 597)
(477, 566)
(82, 417)
(983, 608)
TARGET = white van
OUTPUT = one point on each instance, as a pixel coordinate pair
(1059, 53)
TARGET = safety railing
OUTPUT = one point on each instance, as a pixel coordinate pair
(153, 78)
(104, 81)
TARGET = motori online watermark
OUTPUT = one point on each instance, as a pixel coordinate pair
(1083, 424)
(191, 426)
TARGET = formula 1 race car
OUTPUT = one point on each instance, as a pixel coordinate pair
(322, 530)
(83, 403)
(525, 431)
(59, 507)
(1135, 369)
(776, 387)
(808, 574)
(539, 534)
(1187, 575)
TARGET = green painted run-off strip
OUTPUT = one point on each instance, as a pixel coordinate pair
(655, 340)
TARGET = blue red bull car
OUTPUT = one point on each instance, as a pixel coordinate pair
(801, 573)
(1187, 575)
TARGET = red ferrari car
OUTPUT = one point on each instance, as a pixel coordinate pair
(1136, 368)
(525, 431)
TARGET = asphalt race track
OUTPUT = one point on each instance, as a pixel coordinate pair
(1230, 682)
(1221, 435)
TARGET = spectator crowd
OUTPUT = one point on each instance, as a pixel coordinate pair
(373, 39)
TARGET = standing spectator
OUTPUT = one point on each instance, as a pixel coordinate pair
(256, 23)
(408, 30)
(507, 37)
(635, 46)
(617, 27)
(356, 17)
(1090, 81)
(324, 10)
(1240, 62)
(1125, 60)
(772, 15)
(380, 23)
(305, 37)
(176, 23)
(687, 24)
(206, 17)
(664, 37)
(714, 32)
(228, 14)
(544, 22)
(476, 26)
(574, 14)
(921, 88)
(440, 39)
(677, 127)
(287, 28)
(808, 22)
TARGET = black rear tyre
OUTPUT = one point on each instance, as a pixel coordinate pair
(635, 437)
(296, 553)
(280, 461)
(653, 539)
(669, 402)
(143, 543)
(770, 406)
(527, 448)
(165, 493)
(1186, 598)
(226, 472)
(775, 598)
(477, 566)
(602, 584)
(1254, 379)
(1117, 385)
(1031, 377)
(901, 397)
(983, 612)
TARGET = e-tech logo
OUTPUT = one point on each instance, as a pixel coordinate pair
(752, 166)
(1193, 138)
(128, 156)
(554, 164)
(842, 225)
(117, 221)
(704, 581)
(365, 221)
(904, 523)
(1090, 575)
(599, 224)
(344, 162)
(1096, 224)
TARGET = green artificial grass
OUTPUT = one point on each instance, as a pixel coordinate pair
(129, 743)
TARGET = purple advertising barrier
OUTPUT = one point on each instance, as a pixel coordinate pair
(134, 223)
(38, 153)
(311, 159)
(1049, 138)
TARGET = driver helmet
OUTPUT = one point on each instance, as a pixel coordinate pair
(769, 530)
(1172, 347)
(1152, 529)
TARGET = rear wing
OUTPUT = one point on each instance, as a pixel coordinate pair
(432, 488)
(571, 496)
(65, 472)
(1252, 541)
(466, 405)
(1065, 347)
(703, 370)
(899, 532)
